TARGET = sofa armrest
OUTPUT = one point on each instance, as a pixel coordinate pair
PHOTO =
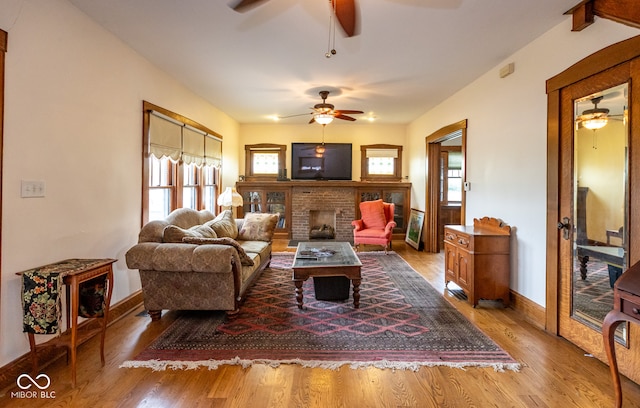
(358, 224)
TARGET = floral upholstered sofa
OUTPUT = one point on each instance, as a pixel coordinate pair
(193, 260)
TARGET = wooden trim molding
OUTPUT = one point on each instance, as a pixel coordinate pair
(622, 11)
(602, 60)
(48, 354)
(3, 50)
(432, 201)
(531, 311)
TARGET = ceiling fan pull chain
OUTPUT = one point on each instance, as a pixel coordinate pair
(328, 53)
(331, 50)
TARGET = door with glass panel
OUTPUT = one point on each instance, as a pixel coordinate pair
(594, 204)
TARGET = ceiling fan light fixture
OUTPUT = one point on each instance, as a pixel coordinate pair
(595, 118)
(323, 118)
(595, 123)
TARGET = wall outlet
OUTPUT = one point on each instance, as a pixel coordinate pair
(31, 188)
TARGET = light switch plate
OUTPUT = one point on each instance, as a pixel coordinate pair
(29, 188)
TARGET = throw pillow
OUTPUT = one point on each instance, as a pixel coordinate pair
(173, 233)
(244, 258)
(258, 227)
(224, 225)
(373, 214)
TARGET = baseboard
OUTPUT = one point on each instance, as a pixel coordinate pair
(48, 353)
(531, 311)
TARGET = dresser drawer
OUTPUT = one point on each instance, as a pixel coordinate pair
(630, 308)
(460, 240)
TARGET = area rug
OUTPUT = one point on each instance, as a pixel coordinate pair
(402, 323)
(594, 295)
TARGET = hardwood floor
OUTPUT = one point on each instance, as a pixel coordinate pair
(555, 373)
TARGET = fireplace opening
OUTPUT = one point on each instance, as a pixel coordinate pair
(322, 224)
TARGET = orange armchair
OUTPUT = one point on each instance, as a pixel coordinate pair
(376, 225)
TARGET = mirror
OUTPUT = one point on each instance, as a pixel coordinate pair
(600, 203)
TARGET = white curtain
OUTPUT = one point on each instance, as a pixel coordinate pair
(192, 147)
(213, 151)
(165, 138)
(382, 153)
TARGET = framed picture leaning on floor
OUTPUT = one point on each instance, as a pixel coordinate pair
(414, 230)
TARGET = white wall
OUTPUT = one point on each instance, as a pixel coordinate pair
(354, 133)
(506, 142)
(73, 119)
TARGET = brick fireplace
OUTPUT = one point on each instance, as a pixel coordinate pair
(309, 201)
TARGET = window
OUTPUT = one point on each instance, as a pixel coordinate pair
(161, 187)
(381, 162)
(181, 165)
(451, 175)
(264, 161)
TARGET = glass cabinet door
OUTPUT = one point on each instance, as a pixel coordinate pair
(276, 204)
(397, 198)
(251, 201)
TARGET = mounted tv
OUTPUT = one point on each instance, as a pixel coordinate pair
(309, 163)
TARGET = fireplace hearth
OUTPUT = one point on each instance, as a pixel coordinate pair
(322, 224)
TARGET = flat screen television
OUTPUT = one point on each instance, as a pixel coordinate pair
(333, 164)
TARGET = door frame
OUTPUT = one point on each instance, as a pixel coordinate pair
(596, 63)
(432, 206)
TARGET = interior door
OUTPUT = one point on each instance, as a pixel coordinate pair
(593, 188)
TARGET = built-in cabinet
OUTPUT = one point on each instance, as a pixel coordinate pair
(270, 200)
(277, 197)
(477, 258)
(400, 196)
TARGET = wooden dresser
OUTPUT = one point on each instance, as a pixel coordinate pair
(477, 258)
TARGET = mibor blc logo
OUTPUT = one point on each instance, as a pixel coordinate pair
(30, 387)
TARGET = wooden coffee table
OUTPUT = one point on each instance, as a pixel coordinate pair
(323, 259)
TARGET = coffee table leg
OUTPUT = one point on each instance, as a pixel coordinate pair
(298, 284)
(356, 292)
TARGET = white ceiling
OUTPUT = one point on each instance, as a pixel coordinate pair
(410, 54)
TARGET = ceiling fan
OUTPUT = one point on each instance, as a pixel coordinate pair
(596, 118)
(345, 11)
(324, 113)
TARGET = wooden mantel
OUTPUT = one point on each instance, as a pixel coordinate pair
(324, 183)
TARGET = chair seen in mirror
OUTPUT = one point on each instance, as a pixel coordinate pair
(376, 225)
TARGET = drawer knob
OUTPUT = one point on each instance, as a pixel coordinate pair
(635, 310)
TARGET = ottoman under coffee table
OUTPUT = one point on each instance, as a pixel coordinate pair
(326, 259)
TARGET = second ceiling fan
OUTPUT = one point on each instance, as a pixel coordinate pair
(345, 11)
(323, 113)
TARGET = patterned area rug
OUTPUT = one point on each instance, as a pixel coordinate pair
(594, 295)
(402, 323)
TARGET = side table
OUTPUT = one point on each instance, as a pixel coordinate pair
(626, 308)
(73, 273)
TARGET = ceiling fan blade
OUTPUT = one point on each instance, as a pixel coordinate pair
(313, 120)
(350, 112)
(244, 5)
(345, 11)
(293, 116)
(344, 117)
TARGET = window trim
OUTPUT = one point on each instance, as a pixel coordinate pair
(249, 151)
(364, 163)
(176, 192)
